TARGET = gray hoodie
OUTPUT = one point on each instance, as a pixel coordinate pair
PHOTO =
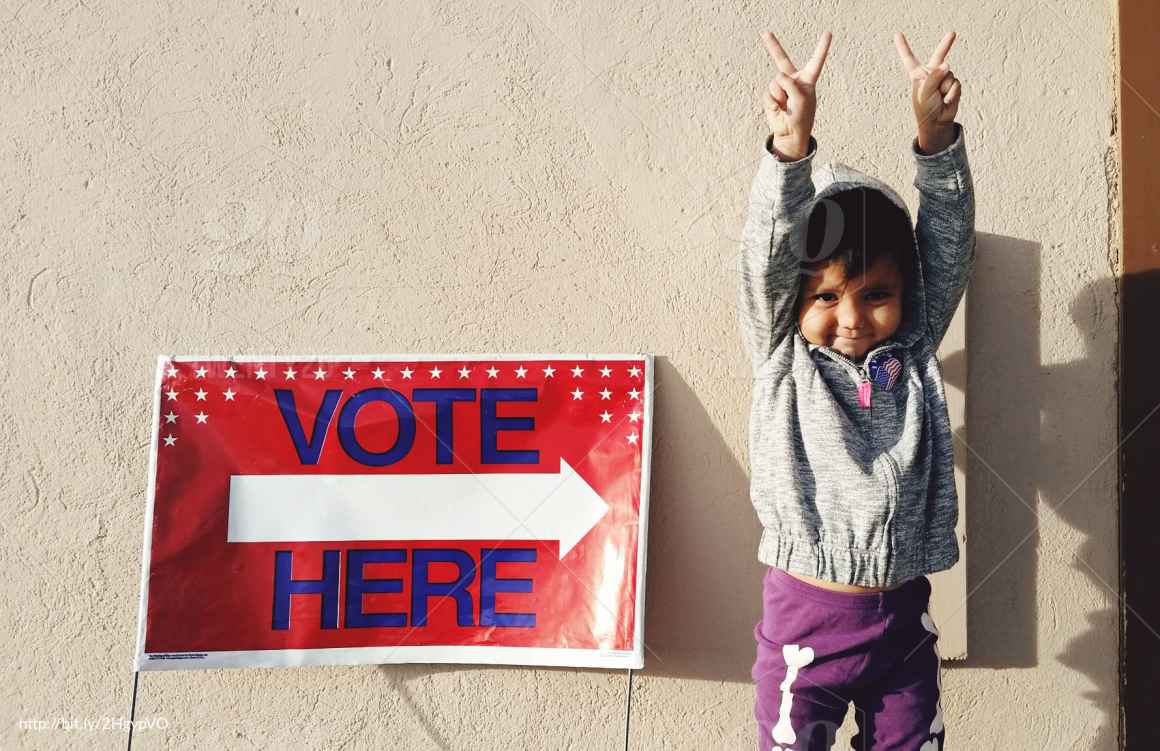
(850, 493)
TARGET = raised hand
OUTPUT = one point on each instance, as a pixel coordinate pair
(791, 98)
(934, 93)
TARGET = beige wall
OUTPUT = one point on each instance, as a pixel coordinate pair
(529, 176)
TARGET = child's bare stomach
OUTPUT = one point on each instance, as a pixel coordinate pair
(837, 587)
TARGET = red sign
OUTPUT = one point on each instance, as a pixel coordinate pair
(340, 510)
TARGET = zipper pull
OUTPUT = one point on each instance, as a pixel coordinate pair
(864, 392)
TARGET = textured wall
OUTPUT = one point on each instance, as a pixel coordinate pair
(528, 176)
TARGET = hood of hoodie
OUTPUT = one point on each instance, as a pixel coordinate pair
(834, 177)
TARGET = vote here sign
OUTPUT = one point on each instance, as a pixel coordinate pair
(339, 510)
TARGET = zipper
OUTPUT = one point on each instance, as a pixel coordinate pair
(865, 387)
(896, 475)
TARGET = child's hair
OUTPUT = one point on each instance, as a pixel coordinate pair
(857, 227)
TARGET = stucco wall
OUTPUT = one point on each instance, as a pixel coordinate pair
(528, 176)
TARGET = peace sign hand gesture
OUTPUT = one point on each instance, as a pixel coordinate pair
(791, 99)
(934, 93)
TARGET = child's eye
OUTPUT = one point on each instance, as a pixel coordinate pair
(879, 295)
(824, 295)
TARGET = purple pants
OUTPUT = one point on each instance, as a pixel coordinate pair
(818, 650)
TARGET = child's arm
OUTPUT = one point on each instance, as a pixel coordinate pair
(945, 229)
(778, 205)
(946, 210)
(778, 210)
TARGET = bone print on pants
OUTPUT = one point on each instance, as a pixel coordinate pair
(818, 650)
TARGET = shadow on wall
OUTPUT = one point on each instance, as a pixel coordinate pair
(399, 678)
(1005, 473)
(704, 581)
(1090, 508)
(1031, 452)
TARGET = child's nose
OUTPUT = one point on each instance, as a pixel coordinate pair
(850, 314)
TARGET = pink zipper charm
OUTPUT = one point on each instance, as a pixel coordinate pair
(864, 393)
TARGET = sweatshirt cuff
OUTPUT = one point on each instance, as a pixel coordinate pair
(942, 168)
(784, 182)
(813, 147)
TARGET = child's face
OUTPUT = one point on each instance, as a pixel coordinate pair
(853, 315)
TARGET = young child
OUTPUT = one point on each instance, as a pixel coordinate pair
(842, 306)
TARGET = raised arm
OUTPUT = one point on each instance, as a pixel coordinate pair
(946, 207)
(779, 202)
(945, 230)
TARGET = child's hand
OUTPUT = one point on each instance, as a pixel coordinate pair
(934, 93)
(790, 100)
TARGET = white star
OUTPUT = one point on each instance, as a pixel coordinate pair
(632, 438)
(231, 371)
(200, 372)
(634, 394)
(605, 371)
(464, 372)
(605, 416)
(634, 371)
(549, 371)
(171, 372)
(349, 373)
(260, 373)
(605, 394)
(290, 373)
(577, 394)
(170, 440)
(228, 394)
(435, 372)
(171, 417)
(171, 394)
(520, 371)
(319, 374)
(492, 372)
(200, 394)
(634, 416)
(407, 372)
(577, 371)
(378, 373)
(201, 418)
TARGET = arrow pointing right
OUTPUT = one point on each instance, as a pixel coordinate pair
(313, 508)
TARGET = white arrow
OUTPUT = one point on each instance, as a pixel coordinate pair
(308, 508)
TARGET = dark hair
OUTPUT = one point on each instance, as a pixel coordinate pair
(863, 226)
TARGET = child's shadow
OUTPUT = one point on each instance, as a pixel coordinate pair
(704, 581)
(1033, 431)
(703, 592)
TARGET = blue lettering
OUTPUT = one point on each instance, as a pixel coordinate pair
(490, 424)
(308, 452)
(356, 586)
(422, 588)
(444, 402)
(285, 587)
(489, 584)
(406, 422)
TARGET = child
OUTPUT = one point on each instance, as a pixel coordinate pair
(843, 305)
